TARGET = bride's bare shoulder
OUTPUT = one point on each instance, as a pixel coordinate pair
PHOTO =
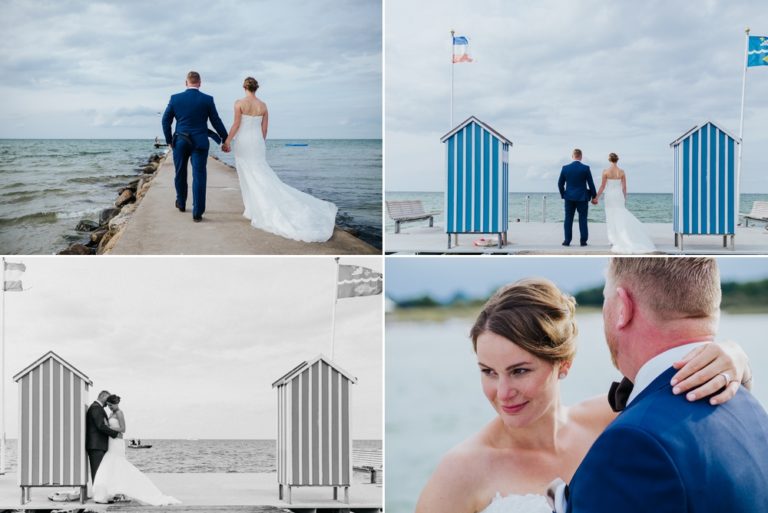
(456, 479)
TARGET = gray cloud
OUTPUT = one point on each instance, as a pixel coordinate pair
(623, 77)
(309, 58)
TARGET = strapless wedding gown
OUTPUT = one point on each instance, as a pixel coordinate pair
(626, 234)
(117, 475)
(529, 503)
(270, 204)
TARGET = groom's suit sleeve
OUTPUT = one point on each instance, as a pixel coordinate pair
(167, 119)
(627, 470)
(592, 189)
(213, 115)
(561, 183)
(98, 418)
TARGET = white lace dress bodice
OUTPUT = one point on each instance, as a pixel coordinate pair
(270, 204)
(626, 234)
(529, 503)
(116, 475)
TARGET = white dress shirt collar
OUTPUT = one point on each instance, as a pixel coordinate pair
(654, 367)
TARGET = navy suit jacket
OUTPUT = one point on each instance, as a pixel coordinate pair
(192, 110)
(575, 182)
(667, 455)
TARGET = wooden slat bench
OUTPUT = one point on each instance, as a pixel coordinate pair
(368, 461)
(759, 212)
(408, 210)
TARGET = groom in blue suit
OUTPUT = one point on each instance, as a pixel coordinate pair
(577, 189)
(192, 110)
(664, 453)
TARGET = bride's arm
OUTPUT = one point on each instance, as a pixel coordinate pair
(602, 186)
(624, 184)
(265, 123)
(235, 124)
(121, 419)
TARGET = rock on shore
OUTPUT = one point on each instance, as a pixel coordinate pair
(103, 235)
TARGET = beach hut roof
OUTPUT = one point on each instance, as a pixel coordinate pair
(290, 375)
(469, 120)
(696, 127)
(62, 361)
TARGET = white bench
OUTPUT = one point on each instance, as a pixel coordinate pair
(408, 210)
(759, 212)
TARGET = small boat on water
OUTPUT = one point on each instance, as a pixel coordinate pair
(297, 144)
(136, 444)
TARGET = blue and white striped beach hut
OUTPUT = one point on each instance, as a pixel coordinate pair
(53, 402)
(706, 183)
(476, 197)
(314, 442)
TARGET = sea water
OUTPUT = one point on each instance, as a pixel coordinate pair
(532, 206)
(210, 456)
(48, 185)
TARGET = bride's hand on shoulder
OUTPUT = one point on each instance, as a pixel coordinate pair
(705, 369)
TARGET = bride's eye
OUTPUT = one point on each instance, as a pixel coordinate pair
(519, 371)
(488, 372)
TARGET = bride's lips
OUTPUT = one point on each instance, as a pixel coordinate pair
(515, 408)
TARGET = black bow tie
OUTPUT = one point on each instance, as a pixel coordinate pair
(619, 393)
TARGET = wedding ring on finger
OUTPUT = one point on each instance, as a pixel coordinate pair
(727, 378)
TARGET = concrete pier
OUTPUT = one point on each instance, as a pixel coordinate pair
(546, 239)
(158, 228)
(246, 492)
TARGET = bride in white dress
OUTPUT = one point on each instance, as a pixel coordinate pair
(534, 439)
(270, 204)
(117, 476)
(626, 234)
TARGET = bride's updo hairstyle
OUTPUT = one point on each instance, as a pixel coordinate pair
(612, 157)
(533, 314)
(113, 399)
(251, 84)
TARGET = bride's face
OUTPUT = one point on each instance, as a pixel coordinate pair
(520, 386)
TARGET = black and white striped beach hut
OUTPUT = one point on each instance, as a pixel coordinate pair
(314, 443)
(52, 404)
(476, 197)
(706, 183)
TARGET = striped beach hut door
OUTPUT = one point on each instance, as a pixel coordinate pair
(314, 442)
(706, 185)
(477, 180)
(52, 403)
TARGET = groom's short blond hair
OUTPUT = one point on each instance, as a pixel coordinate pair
(671, 287)
(193, 77)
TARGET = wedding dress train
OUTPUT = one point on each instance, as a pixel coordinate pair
(270, 204)
(116, 475)
(626, 234)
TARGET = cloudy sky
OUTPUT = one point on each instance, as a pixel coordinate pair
(104, 69)
(444, 277)
(623, 77)
(193, 345)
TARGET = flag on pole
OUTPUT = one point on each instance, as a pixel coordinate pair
(461, 49)
(757, 53)
(12, 276)
(355, 281)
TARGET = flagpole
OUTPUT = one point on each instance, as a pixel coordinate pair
(2, 387)
(741, 122)
(450, 127)
(333, 315)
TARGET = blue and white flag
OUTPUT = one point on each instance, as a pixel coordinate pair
(12, 272)
(461, 49)
(757, 52)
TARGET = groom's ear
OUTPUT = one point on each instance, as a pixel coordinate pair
(626, 308)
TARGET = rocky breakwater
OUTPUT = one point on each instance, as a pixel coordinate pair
(104, 233)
